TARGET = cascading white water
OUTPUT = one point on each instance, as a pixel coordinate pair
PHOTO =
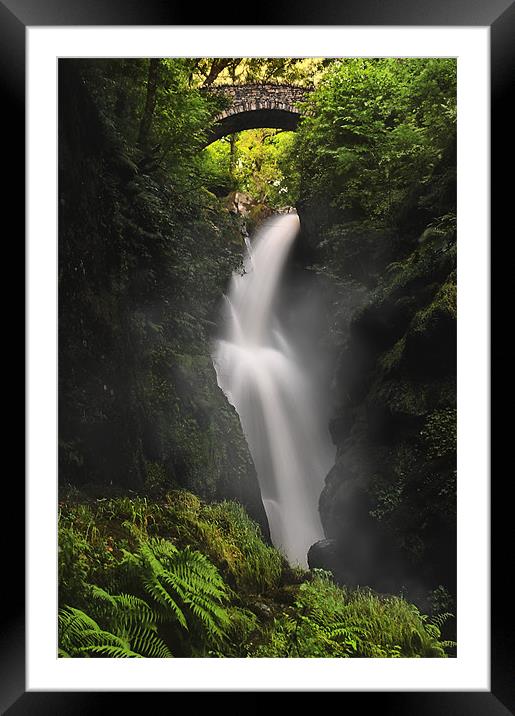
(263, 378)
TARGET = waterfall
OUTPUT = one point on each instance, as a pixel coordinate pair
(262, 376)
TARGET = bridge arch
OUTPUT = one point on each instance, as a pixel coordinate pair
(257, 105)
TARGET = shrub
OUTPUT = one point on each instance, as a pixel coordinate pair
(225, 532)
(329, 621)
(182, 578)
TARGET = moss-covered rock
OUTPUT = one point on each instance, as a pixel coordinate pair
(389, 502)
(142, 268)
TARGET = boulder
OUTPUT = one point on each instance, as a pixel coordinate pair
(323, 555)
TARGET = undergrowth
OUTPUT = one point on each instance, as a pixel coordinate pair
(178, 577)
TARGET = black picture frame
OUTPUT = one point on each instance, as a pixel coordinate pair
(15, 16)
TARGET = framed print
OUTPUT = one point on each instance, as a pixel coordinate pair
(255, 256)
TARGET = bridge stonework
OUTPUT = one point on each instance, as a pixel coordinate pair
(257, 105)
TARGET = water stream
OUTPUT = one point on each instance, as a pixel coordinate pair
(266, 381)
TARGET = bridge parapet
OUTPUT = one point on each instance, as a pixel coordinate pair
(258, 105)
(260, 96)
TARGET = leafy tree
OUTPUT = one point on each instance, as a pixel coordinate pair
(375, 129)
(259, 165)
(247, 70)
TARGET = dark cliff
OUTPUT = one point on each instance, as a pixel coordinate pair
(142, 267)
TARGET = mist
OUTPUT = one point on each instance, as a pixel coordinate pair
(268, 365)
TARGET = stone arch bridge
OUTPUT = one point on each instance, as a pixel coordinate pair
(257, 105)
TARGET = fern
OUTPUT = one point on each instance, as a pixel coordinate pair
(439, 619)
(124, 610)
(338, 638)
(162, 598)
(114, 652)
(132, 624)
(185, 586)
(164, 601)
(148, 643)
(132, 617)
(329, 621)
(79, 634)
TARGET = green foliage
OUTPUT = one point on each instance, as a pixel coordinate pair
(374, 129)
(439, 433)
(132, 633)
(231, 539)
(118, 548)
(140, 222)
(258, 162)
(217, 167)
(85, 552)
(137, 230)
(74, 561)
(184, 578)
(182, 588)
(378, 199)
(182, 583)
(248, 70)
(329, 621)
(242, 628)
(253, 564)
(442, 307)
(441, 601)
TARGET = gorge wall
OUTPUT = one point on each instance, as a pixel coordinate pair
(388, 505)
(142, 268)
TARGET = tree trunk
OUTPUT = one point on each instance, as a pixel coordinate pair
(232, 160)
(233, 136)
(218, 66)
(150, 103)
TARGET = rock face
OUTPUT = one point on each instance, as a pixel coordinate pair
(250, 211)
(239, 203)
(140, 278)
(324, 555)
(389, 503)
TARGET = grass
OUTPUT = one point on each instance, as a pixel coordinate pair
(330, 621)
(266, 608)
